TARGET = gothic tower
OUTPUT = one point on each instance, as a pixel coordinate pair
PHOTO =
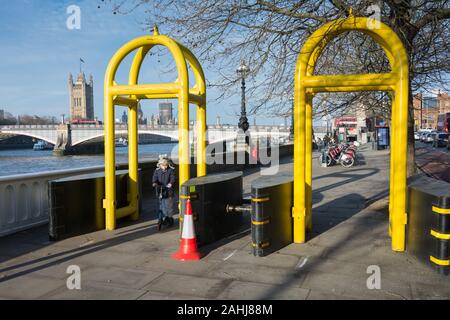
(81, 95)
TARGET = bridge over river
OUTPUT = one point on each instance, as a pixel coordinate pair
(76, 138)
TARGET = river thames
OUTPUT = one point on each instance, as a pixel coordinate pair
(20, 161)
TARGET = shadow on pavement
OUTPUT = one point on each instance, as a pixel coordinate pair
(61, 257)
(360, 226)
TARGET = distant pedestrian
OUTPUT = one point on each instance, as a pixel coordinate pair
(320, 144)
(326, 140)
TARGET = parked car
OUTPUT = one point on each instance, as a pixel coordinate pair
(440, 140)
(430, 137)
(416, 136)
(421, 136)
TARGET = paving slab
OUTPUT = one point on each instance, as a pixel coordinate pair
(204, 287)
(109, 258)
(245, 256)
(422, 290)
(305, 249)
(243, 290)
(28, 287)
(165, 263)
(354, 286)
(319, 295)
(118, 277)
(152, 295)
(257, 273)
(95, 291)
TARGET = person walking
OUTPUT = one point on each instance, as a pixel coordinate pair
(320, 145)
(164, 180)
(326, 140)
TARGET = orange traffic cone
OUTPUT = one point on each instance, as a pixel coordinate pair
(188, 245)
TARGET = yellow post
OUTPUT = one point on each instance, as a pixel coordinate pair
(299, 210)
(133, 159)
(129, 96)
(183, 132)
(201, 140)
(395, 81)
(110, 162)
(308, 161)
(197, 95)
(391, 166)
(399, 215)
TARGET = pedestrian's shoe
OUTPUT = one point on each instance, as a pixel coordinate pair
(166, 221)
(160, 222)
(171, 221)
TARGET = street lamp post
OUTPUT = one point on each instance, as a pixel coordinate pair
(421, 108)
(290, 98)
(291, 131)
(242, 71)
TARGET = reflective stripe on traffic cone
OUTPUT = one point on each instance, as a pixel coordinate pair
(188, 244)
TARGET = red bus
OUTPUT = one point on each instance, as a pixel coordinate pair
(85, 121)
(443, 122)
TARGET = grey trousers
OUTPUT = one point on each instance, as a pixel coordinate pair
(167, 206)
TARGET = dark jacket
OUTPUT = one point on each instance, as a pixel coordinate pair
(163, 178)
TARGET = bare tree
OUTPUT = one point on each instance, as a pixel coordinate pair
(269, 36)
(35, 120)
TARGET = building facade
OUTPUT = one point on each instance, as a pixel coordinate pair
(165, 113)
(443, 102)
(141, 119)
(428, 109)
(354, 125)
(81, 95)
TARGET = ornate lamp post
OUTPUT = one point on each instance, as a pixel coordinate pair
(291, 131)
(290, 97)
(243, 71)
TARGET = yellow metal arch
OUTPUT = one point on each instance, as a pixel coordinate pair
(307, 84)
(129, 96)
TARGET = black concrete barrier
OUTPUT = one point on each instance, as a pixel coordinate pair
(209, 197)
(76, 203)
(272, 200)
(428, 228)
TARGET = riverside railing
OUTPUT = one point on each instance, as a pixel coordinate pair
(24, 198)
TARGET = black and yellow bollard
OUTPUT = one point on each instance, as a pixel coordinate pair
(440, 231)
(428, 229)
(272, 227)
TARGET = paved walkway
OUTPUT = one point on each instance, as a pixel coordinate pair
(435, 162)
(133, 262)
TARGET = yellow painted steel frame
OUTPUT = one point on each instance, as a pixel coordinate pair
(307, 84)
(129, 96)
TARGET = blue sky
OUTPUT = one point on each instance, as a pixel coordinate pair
(38, 51)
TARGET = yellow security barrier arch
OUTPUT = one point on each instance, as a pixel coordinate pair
(129, 96)
(307, 84)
